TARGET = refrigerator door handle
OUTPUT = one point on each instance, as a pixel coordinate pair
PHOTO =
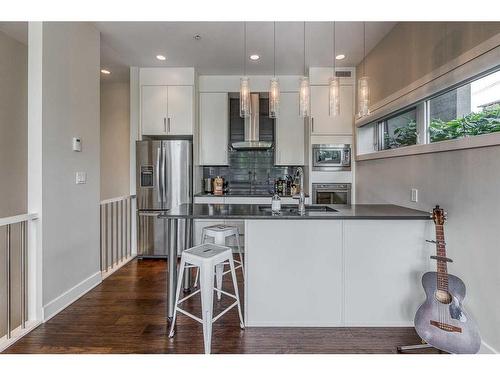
(158, 174)
(164, 176)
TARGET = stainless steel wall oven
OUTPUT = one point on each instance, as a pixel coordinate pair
(331, 193)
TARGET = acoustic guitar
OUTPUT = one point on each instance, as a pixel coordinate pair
(441, 321)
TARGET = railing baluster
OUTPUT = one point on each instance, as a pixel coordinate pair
(116, 232)
(100, 237)
(23, 274)
(121, 231)
(126, 228)
(106, 235)
(112, 234)
(7, 263)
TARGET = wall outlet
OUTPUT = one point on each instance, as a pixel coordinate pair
(414, 195)
(77, 144)
(81, 178)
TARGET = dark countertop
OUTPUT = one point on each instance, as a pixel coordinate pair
(254, 211)
(246, 195)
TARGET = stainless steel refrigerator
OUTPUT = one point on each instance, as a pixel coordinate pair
(164, 180)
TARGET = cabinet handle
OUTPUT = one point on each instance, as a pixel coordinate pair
(165, 124)
(312, 124)
(168, 124)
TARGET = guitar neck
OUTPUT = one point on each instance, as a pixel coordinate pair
(442, 268)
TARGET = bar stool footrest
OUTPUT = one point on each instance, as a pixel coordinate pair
(190, 315)
(225, 311)
(189, 296)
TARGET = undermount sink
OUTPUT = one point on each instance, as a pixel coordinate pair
(294, 208)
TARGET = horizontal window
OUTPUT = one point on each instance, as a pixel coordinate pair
(400, 130)
(472, 109)
(468, 110)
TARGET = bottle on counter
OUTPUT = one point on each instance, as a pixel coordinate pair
(276, 204)
(218, 186)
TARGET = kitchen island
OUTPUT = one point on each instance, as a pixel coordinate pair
(335, 265)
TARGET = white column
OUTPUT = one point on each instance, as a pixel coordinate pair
(35, 55)
(134, 136)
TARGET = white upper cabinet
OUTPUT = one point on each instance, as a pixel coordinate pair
(154, 110)
(167, 110)
(180, 110)
(214, 128)
(321, 121)
(289, 148)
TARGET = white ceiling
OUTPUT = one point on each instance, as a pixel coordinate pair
(221, 48)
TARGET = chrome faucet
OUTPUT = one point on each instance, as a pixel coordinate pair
(301, 196)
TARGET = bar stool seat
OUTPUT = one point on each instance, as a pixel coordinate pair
(219, 233)
(206, 257)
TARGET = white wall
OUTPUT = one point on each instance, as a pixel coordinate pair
(13, 126)
(67, 74)
(466, 184)
(115, 139)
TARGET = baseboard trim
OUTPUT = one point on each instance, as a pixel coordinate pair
(310, 324)
(487, 349)
(17, 334)
(106, 274)
(67, 298)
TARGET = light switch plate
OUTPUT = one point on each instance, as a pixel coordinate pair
(81, 178)
(414, 195)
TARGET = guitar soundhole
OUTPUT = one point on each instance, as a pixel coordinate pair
(443, 296)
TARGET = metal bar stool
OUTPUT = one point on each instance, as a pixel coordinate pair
(206, 257)
(220, 233)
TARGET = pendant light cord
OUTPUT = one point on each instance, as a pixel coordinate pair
(364, 48)
(334, 74)
(274, 47)
(245, 49)
(304, 48)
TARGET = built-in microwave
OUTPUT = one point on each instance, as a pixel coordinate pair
(331, 157)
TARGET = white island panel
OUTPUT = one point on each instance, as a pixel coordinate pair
(293, 273)
(384, 263)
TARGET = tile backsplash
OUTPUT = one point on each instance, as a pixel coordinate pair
(250, 172)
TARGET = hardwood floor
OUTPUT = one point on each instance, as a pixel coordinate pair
(126, 314)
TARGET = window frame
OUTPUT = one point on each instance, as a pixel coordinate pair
(423, 120)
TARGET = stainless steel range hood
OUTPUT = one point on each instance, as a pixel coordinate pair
(252, 141)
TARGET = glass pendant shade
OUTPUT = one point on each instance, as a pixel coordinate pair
(274, 98)
(334, 96)
(244, 97)
(363, 97)
(304, 97)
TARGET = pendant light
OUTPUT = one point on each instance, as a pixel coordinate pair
(244, 81)
(363, 87)
(274, 87)
(305, 89)
(334, 85)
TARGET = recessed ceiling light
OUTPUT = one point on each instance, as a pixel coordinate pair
(340, 57)
(254, 57)
(105, 71)
(161, 57)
